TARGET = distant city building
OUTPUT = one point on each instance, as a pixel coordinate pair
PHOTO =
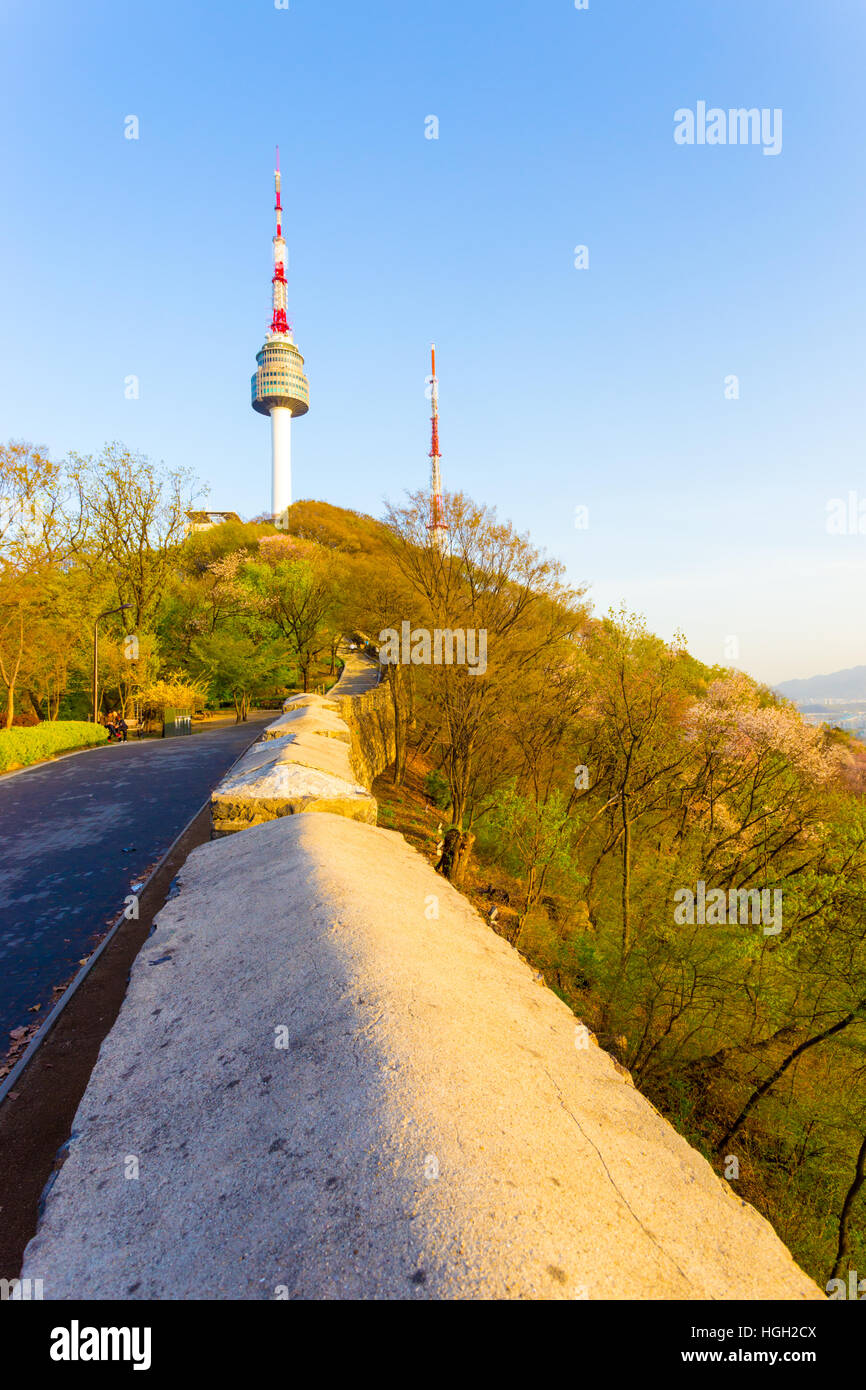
(203, 521)
(279, 387)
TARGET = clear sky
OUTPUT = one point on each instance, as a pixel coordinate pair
(560, 387)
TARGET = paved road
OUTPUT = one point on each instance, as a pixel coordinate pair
(76, 834)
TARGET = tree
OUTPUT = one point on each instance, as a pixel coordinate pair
(492, 583)
(376, 596)
(236, 665)
(37, 531)
(173, 691)
(539, 833)
(133, 524)
(18, 597)
(639, 696)
(844, 1246)
(127, 666)
(39, 520)
(295, 585)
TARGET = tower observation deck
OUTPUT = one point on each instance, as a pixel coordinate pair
(279, 386)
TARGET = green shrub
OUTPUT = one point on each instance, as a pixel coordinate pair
(436, 788)
(24, 746)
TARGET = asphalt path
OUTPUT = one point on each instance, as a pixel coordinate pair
(76, 837)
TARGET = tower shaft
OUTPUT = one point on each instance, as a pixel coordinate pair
(281, 459)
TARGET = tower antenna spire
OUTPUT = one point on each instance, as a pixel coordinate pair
(279, 321)
(436, 525)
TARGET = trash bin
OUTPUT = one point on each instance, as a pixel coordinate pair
(176, 722)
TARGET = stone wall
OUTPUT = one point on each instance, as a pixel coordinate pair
(370, 718)
(321, 754)
(341, 1084)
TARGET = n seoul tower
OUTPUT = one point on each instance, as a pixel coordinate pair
(279, 387)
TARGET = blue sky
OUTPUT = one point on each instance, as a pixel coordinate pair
(559, 387)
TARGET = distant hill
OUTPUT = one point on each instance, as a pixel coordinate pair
(838, 685)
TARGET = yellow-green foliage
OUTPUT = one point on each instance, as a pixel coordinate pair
(174, 692)
(23, 746)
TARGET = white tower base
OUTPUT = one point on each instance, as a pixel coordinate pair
(281, 459)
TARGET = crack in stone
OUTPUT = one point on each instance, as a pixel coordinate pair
(617, 1189)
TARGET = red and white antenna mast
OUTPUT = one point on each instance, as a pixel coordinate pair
(279, 322)
(436, 526)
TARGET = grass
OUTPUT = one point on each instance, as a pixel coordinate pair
(21, 747)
